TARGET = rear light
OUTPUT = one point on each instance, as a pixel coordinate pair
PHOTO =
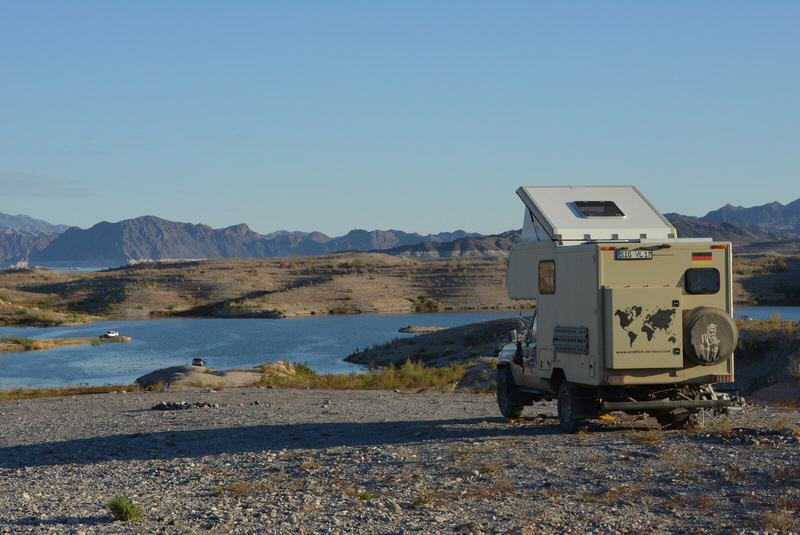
(615, 379)
(720, 246)
(606, 248)
(727, 378)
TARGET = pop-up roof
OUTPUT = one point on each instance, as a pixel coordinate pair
(591, 213)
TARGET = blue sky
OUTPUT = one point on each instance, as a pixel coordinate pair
(423, 116)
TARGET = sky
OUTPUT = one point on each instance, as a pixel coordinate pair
(420, 116)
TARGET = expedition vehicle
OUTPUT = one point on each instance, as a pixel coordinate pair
(629, 317)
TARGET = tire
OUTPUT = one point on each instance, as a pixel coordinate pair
(509, 399)
(567, 421)
(674, 419)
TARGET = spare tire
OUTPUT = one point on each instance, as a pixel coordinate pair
(710, 335)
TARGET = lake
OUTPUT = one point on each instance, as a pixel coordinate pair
(322, 341)
(765, 313)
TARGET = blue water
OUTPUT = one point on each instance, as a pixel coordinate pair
(765, 313)
(322, 341)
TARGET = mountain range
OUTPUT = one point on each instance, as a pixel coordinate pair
(149, 237)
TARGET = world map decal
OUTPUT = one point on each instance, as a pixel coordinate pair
(636, 319)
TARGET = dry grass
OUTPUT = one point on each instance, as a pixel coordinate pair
(651, 437)
(307, 466)
(34, 393)
(721, 427)
(702, 502)
(278, 481)
(423, 498)
(13, 344)
(683, 461)
(780, 520)
(365, 495)
(786, 404)
(462, 452)
(615, 495)
(490, 468)
(759, 336)
(553, 493)
(786, 476)
(243, 488)
(734, 473)
(411, 375)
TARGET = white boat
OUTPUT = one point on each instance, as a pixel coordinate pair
(111, 334)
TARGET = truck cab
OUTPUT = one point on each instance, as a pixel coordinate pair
(628, 316)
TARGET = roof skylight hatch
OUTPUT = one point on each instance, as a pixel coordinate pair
(598, 209)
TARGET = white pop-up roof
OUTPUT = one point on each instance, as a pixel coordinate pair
(591, 213)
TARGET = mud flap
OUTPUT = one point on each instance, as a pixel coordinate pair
(585, 405)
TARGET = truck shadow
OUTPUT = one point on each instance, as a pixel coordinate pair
(201, 442)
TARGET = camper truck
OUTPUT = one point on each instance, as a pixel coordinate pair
(629, 317)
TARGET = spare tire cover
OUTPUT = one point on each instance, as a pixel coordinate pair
(710, 335)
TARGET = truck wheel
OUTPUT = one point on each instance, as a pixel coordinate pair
(509, 399)
(674, 419)
(567, 419)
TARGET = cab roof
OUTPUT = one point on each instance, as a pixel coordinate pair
(577, 214)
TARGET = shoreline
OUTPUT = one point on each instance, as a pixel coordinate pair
(181, 315)
(398, 312)
(343, 284)
(13, 344)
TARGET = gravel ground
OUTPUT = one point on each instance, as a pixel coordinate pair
(305, 461)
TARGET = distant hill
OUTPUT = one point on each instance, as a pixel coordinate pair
(694, 227)
(150, 237)
(774, 217)
(23, 223)
(496, 245)
(16, 245)
(764, 223)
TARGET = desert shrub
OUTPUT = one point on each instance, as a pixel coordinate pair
(123, 509)
(427, 304)
(423, 498)
(758, 336)
(303, 369)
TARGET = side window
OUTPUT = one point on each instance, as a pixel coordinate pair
(701, 281)
(547, 277)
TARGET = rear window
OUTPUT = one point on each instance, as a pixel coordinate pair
(701, 281)
(598, 209)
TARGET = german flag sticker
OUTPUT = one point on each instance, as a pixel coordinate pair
(701, 259)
